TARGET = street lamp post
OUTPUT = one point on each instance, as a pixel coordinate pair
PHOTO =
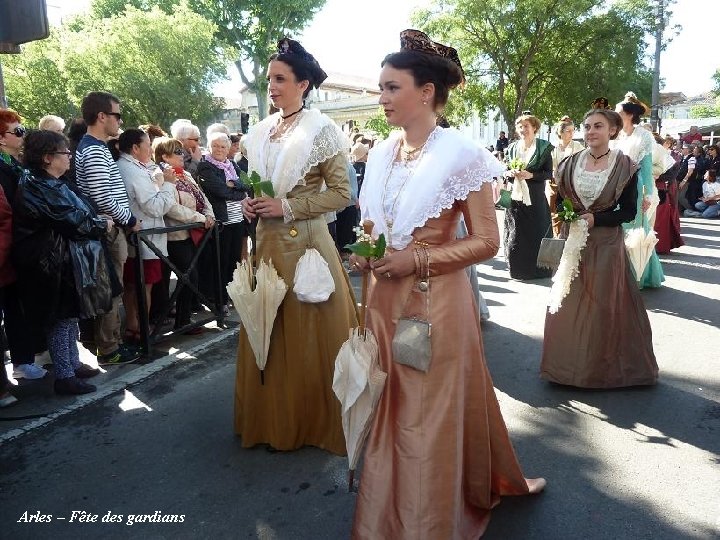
(3, 100)
(659, 30)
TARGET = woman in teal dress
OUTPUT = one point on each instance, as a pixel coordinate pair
(637, 143)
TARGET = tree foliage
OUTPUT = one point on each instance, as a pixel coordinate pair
(645, 13)
(552, 57)
(253, 28)
(378, 123)
(104, 9)
(158, 64)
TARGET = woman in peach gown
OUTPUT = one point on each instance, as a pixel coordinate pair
(438, 457)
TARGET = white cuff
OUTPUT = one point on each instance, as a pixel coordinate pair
(288, 216)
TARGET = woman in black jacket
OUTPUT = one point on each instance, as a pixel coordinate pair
(62, 273)
(218, 177)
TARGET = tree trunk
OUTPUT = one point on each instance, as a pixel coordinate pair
(262, 101)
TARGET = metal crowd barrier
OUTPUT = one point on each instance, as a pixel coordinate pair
(216, 305)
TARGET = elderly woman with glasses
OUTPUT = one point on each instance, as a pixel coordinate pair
(219, 178)
(62, 272)
(189, 135)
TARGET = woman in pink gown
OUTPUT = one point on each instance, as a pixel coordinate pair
(438, 457)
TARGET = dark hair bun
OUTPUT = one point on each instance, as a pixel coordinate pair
(293, 53)
(425, 68)
(452, 74)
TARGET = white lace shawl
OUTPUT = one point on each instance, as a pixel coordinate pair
(662, 160)
(637, 145)
(314, 138)
(450, 168)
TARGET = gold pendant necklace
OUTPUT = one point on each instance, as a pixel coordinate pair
(389, 217)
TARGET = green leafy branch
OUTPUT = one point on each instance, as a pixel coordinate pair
(258, 185)
(567, 214)
(366, 246)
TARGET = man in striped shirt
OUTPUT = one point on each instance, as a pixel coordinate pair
(99, 179)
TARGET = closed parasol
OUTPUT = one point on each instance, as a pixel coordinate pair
(258, 305)
(640, 244)
(358, 381)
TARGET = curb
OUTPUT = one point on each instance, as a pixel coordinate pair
(118, 384)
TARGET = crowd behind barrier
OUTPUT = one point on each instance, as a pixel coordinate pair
(169, 205)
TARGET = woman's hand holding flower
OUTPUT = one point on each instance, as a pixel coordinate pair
(395, 264)
(267, 207)
(248, 208)
(359, 263)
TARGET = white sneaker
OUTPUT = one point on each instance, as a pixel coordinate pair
(29, 371)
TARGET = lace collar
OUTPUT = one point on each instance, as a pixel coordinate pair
(313, 139)
(451, 167)
(637, 145)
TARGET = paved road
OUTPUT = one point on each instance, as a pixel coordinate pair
(626, 464)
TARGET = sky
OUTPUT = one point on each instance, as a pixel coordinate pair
(353, 37)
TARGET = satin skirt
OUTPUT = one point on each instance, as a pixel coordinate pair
(667, 222)
(438, 456)
(601, 336)
(296, 406)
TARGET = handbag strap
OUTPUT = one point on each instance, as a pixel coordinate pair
(422, 255)
(311, 243)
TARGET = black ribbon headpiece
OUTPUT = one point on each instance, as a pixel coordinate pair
(287, 46)
(415, 40)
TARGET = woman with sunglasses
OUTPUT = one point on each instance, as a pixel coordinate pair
(20, 335)
(62, 272)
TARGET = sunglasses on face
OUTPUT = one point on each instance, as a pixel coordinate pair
(192, 139)
(19, 131)
(178, 152)
(68, 153)
(117, 115)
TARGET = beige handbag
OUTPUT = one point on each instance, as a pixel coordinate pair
(412, 343)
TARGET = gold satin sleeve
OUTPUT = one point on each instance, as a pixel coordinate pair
(307, 205)
(482, 241)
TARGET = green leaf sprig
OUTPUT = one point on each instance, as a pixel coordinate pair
(567, 214)
(258, 185)
(366, 246)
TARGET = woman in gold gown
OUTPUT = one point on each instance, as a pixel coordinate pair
(438, 457)
(303, 152)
